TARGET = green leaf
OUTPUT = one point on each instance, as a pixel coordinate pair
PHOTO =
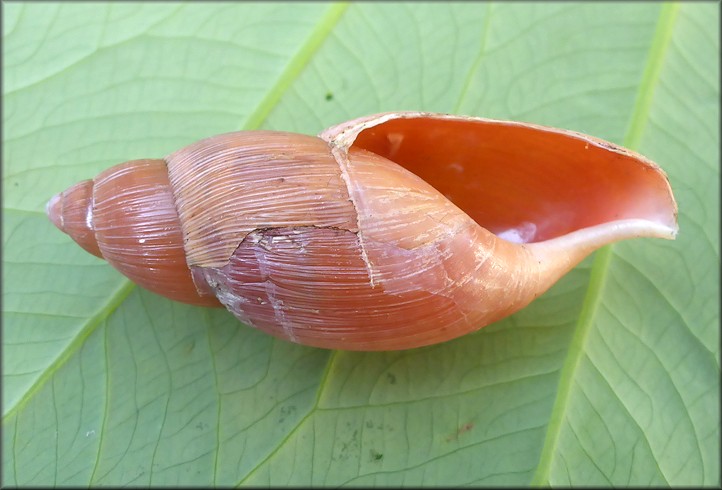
(611, 378)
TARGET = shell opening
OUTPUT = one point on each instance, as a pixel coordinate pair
(526, 183)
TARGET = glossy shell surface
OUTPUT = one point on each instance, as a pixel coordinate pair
(387, 232)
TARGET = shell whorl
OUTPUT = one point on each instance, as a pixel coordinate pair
(127, 216)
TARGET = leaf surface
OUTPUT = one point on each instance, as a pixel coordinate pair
(610, 378)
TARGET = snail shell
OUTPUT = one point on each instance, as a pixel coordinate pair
(387, 232)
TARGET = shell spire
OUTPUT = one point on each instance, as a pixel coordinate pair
(126, 215)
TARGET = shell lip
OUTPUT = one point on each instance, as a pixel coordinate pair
(344, 134)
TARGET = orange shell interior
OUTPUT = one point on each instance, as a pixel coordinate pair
(522, 182)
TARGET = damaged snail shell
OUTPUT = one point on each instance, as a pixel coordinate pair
(387, 232)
